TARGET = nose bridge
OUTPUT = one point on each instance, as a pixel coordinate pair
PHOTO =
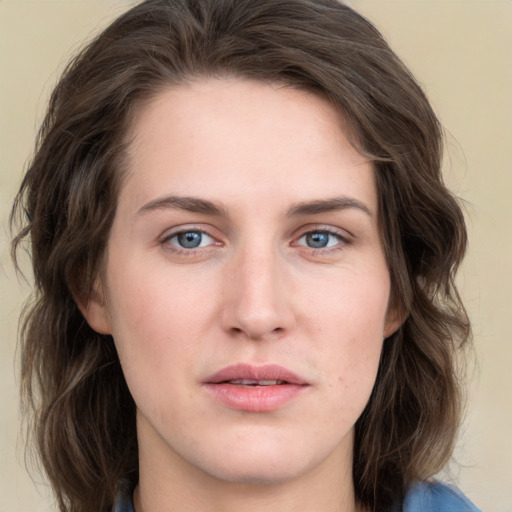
(257, 301)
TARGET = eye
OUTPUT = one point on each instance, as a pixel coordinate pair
(189, 239)
(321, 239)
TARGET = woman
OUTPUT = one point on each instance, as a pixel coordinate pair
(244, 258)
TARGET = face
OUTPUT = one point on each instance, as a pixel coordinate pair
(245, 282)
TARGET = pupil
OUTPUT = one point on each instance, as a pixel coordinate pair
(189, 239)
(317, 240)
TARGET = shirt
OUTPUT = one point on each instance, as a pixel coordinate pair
(421, 497)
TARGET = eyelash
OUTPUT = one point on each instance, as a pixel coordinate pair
(187, 251)
(342, 241)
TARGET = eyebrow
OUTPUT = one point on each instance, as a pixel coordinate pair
(206, 207)
(327, 205)
(189, 204)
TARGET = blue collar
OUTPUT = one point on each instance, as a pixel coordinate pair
(422, 497)
(123, 501)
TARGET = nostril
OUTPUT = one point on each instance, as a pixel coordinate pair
(256, 335)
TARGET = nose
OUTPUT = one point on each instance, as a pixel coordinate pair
(257, 302)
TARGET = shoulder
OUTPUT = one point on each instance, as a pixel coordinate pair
(434, 497)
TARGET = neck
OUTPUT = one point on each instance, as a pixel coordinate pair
(167, 483)
(303, 494)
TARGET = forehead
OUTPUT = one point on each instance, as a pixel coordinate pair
(212, 136)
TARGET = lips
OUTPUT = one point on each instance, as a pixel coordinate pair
(255, 388)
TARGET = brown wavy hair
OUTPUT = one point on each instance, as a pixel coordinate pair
(79, 406)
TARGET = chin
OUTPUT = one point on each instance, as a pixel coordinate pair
(258, 475)
(261, 464)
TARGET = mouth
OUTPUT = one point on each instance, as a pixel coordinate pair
(244, 374)
(254, 382)
(252, 388)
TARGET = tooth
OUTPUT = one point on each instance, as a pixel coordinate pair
(254, 382)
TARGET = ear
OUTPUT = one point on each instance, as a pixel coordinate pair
(395, 317)
(94, 309)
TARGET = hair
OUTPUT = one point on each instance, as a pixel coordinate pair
(80, 409)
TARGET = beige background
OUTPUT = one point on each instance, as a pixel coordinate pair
(461, 51)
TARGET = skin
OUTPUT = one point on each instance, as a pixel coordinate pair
(253, 291)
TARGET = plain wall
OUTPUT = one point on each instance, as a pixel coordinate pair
(461, 51)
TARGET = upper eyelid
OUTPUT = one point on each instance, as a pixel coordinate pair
(171, 232)
(312, 228)
(181, 231)
(341, 238)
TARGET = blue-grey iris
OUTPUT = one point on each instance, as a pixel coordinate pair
(190, 239)
(317, 240)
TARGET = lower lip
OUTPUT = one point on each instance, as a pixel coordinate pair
(255, 398)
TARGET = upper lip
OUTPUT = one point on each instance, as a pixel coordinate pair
(255, 372)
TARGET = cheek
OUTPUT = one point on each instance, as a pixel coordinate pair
(348, 319)
(159, 323)
(154, 307)
(142, 326)
(152, 355)
(351, 308)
